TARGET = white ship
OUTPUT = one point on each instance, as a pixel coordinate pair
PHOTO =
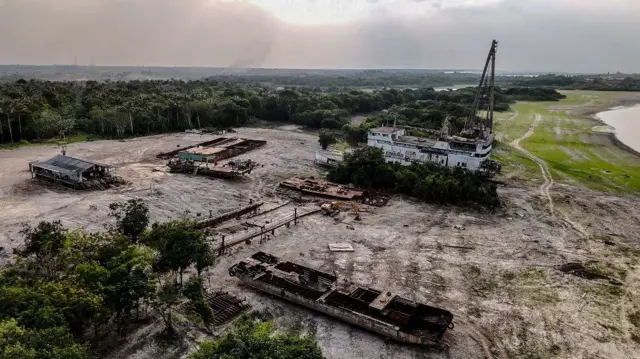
(452, 151)
(470, 149)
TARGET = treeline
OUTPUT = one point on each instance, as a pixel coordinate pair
(531, 94)
(37, 109)
(65, 291)
(321, 79)
(604, 82)
(364, 79)
(428, 182)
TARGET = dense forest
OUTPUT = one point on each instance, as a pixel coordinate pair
(608, 82)
(68, 292)
(338, 78)
(35, 110)
(429, 182)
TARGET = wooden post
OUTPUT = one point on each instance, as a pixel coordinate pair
(295, 216)
(221, 251)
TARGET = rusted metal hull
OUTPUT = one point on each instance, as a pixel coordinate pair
(171, 154)
(380, 312)
(322, 188)
(350, 317)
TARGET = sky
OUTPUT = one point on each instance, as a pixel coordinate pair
(533, 35)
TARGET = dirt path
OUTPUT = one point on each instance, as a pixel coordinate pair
(545, 188)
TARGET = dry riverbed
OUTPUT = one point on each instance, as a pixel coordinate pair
(496, 275)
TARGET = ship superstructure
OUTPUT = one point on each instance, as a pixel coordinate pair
(468, 149)
(379, 311)
(452, 151)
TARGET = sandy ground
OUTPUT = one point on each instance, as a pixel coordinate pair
(507, 299)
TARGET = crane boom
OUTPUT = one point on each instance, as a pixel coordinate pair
(487, 82)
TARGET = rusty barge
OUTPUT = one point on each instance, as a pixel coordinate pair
(378, 311)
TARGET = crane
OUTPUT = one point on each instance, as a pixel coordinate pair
(486, 90)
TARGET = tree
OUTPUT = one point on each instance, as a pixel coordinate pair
(17, 342)
(46, 239)
(132, 217)
(251, 339)
(131, 279)
(326, 139)
(50, 122)
(179, 245)
(205, 257)
(194, 291)
(167, 296)
(431, 182)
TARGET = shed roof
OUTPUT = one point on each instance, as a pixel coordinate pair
(68, 165)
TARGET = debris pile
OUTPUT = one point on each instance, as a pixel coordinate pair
(375, 199)
(241, 166)
(178, 165)
(333, 208)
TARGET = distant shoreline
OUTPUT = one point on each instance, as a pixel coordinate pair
(614, 135)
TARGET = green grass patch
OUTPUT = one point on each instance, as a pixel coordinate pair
(533, 275)
(515, 163)
(605, 292)
(565, 141)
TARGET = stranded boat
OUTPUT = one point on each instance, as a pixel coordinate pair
(381, 312)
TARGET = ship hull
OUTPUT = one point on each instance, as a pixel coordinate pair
(344, 315)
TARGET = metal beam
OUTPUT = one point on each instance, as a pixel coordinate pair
(494, 46)
(476, 101)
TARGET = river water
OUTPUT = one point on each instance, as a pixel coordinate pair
(626, 122)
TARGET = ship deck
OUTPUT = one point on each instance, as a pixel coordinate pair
(419, 320)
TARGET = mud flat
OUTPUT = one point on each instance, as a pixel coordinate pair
(493, 271)
(626, 121)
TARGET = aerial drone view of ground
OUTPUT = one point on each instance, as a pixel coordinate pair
(569, 197)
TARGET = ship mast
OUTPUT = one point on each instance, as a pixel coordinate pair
(487, 84)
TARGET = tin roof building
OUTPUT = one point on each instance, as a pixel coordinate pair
(73, 172)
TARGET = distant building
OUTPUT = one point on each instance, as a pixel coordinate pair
(452, 151)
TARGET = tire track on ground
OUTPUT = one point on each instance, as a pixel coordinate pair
(545, 188)
(492, 349)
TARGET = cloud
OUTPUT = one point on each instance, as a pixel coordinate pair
(534, 35)
(136, 32)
